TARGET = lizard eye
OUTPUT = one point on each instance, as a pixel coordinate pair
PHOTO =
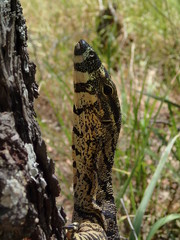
(91, 54)
(107, 90)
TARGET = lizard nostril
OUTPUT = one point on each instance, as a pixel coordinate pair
(80, 47)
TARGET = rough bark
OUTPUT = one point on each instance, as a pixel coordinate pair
(28, 186)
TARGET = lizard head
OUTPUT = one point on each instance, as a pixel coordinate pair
(94, 85)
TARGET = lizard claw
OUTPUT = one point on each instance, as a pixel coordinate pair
(71, 229)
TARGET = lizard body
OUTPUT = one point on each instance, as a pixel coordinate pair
(96, 127)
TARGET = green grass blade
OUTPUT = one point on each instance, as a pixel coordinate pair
(149, 190)
(129, 179)
(161, 99)
(160, 223)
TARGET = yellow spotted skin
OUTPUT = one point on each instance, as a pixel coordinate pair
(89, 231)
(96, 127)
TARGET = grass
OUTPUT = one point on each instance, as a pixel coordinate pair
(144, 62)
(149, 190)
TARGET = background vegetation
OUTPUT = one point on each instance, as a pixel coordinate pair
(140, 45)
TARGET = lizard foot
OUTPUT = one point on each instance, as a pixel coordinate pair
(71, 229)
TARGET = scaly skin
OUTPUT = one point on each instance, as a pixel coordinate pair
(96, 127)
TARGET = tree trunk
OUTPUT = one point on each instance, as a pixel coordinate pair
(28, 186)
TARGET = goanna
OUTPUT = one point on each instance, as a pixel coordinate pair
(96, 127)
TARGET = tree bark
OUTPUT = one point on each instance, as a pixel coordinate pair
(28, 186)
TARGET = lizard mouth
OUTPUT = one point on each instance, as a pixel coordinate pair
(80, 47)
